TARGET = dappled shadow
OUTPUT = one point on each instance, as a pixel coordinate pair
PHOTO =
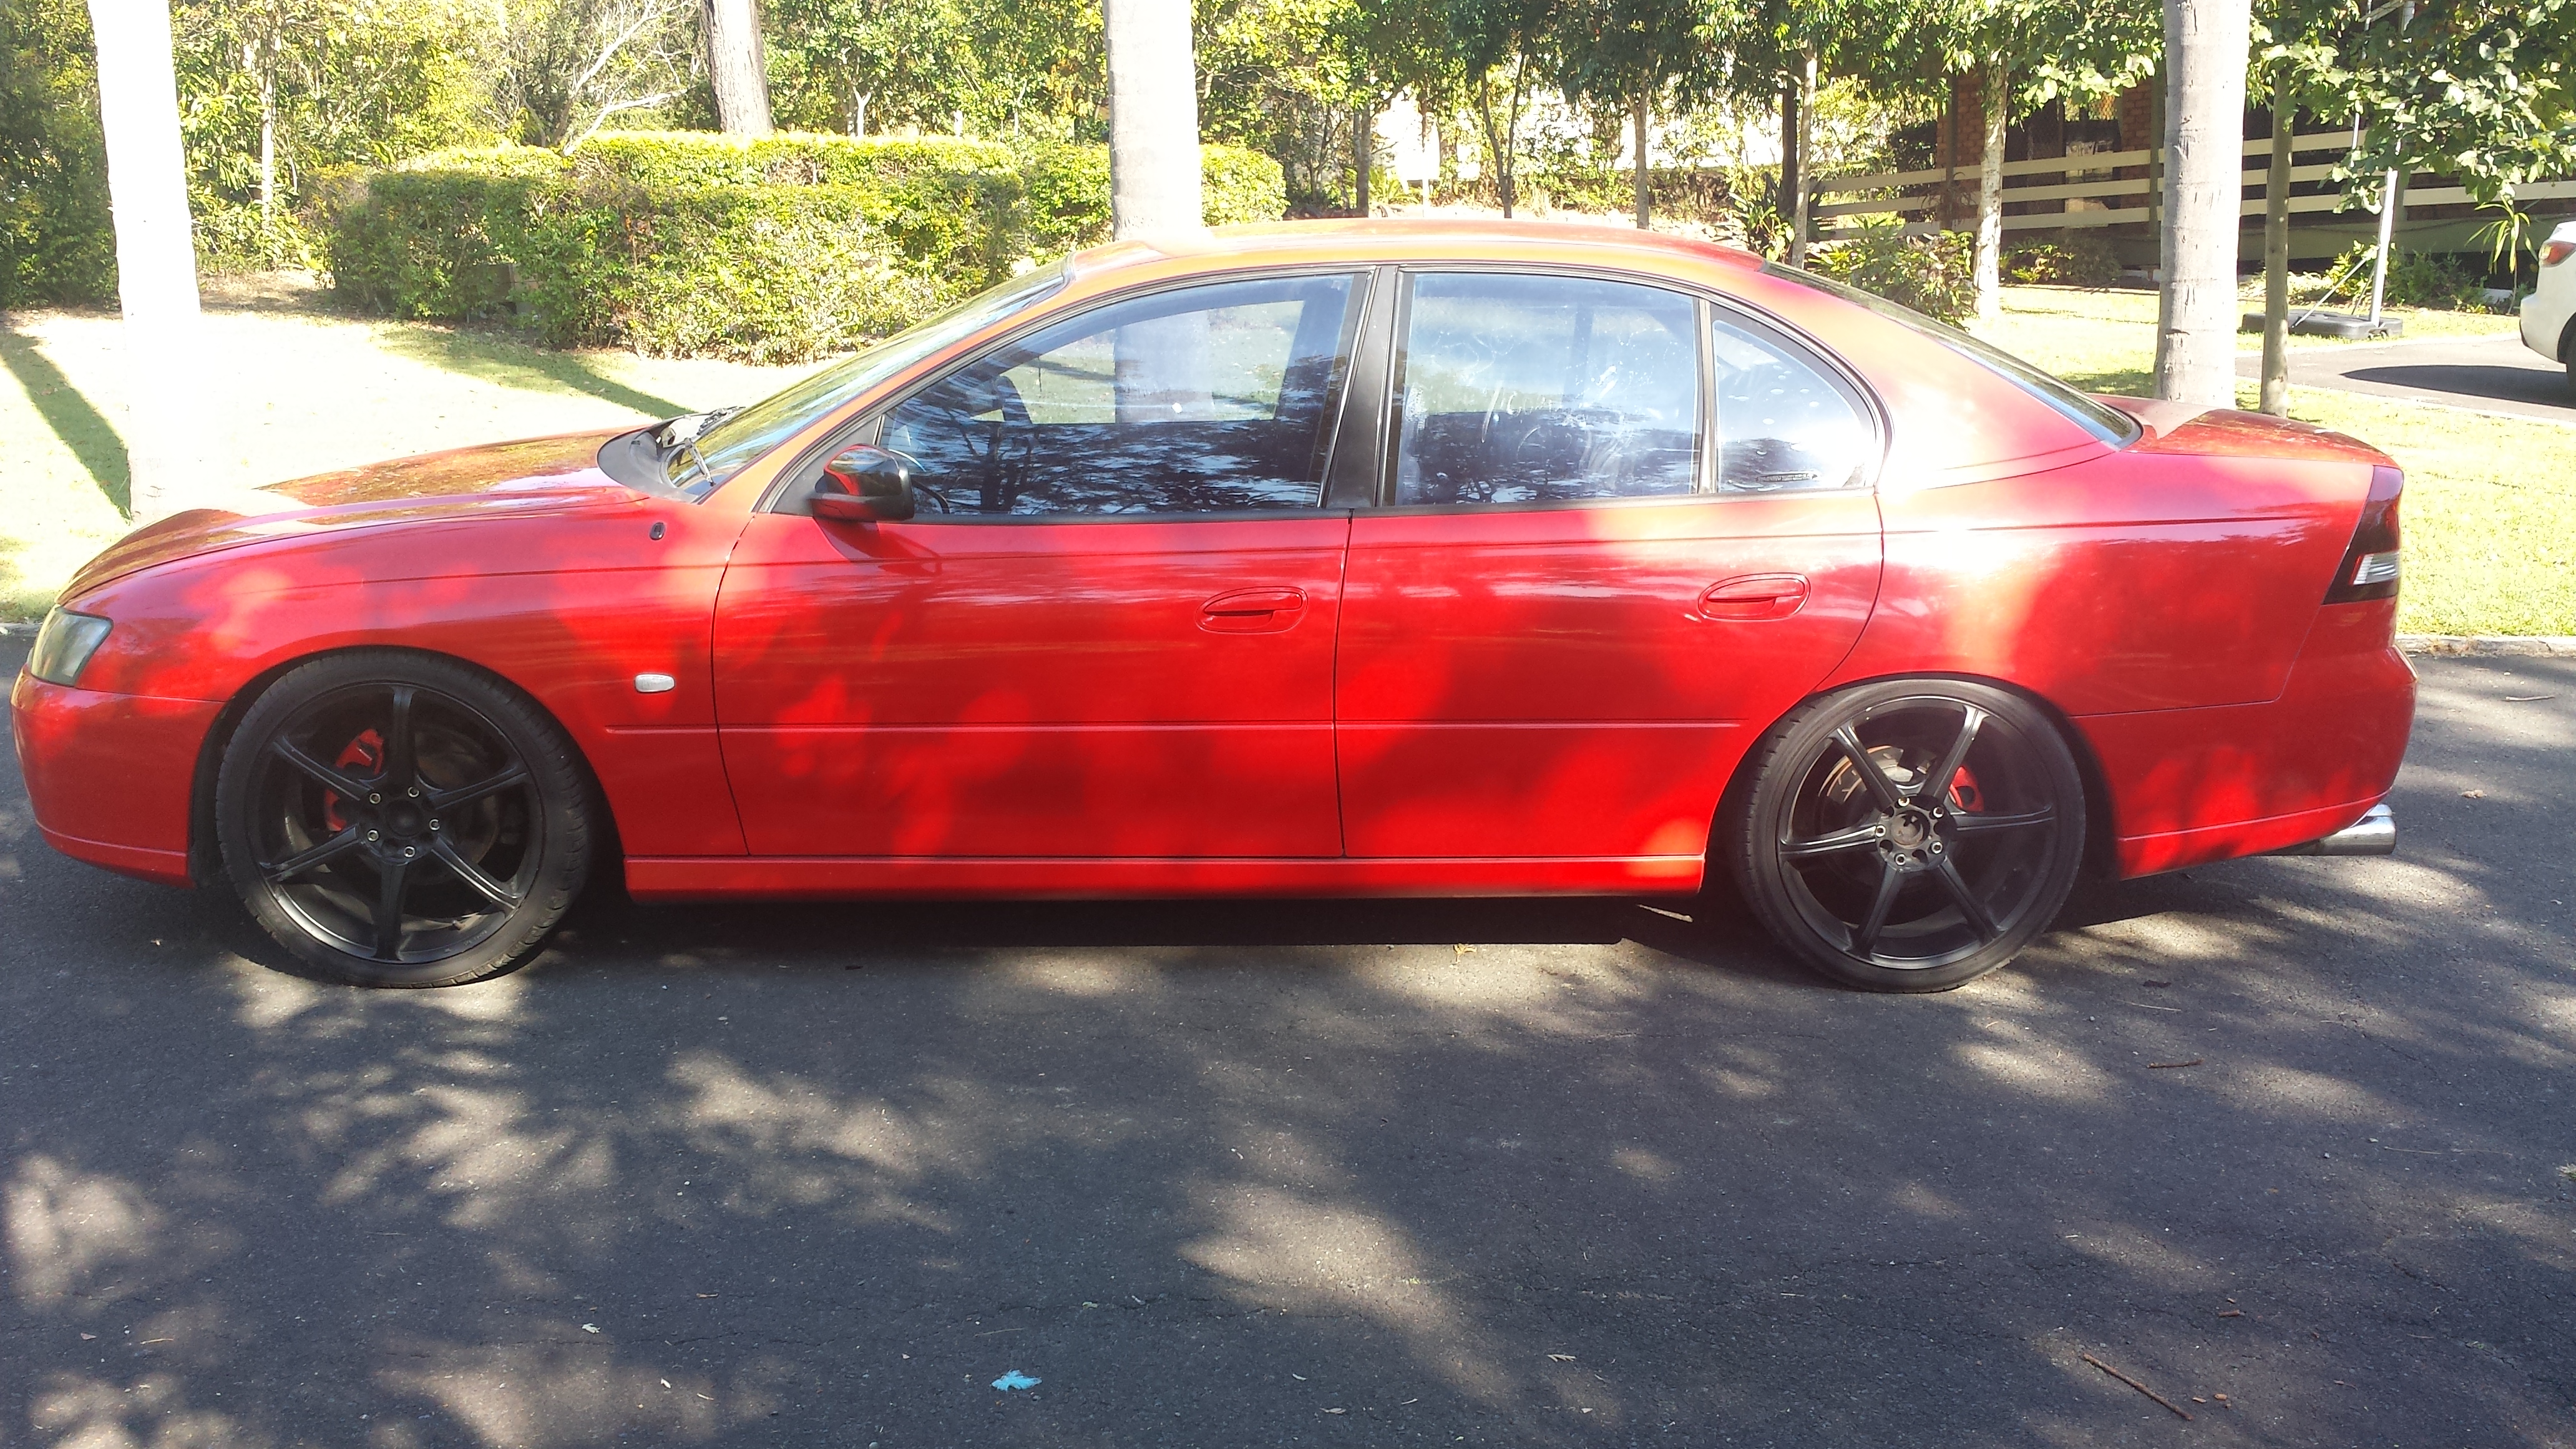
(490, 357)
(1510, 1172)
(74, 419)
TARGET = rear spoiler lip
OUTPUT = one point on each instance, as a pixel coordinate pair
(2178, 427)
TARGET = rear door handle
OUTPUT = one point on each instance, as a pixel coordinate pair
(1754, 596)
(1253, 611)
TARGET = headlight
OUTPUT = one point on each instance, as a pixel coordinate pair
(64, 645)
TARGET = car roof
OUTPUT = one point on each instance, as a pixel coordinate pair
(1377, 240)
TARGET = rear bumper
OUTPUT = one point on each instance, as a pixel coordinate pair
(110, 775)
(2190, 786)
(2375, 833)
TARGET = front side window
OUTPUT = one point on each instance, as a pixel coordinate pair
(1204, 399)
(1520, 388)
(1782, 425)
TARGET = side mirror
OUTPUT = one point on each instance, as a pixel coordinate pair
(865, 484)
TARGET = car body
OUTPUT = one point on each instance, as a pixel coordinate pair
(2549, 312)
(1427, 657)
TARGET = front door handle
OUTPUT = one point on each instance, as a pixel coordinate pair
(1754, 596)
(1253, 611)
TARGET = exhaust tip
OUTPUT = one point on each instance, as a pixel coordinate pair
(2375, 833)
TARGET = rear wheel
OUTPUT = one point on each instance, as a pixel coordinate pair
(400, 820)
(1908, 836)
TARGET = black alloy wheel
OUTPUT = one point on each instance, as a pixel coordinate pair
(398, 819)
(1909, 835)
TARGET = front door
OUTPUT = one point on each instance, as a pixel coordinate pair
(1108, 632)
(1623, 531)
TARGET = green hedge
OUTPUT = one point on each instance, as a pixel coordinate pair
(689, 244)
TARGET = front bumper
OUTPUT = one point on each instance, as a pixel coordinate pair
(111, 776)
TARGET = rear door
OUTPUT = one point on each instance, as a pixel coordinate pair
(1621, 530)
(1107, 633)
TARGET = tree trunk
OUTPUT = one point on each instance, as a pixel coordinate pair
(1153, 118)
(156, 258)
(1363, 154)
(1793, 182)
(737, 67)
(268, 169)
(1950, 155)
(2276, 254)
(1645, 174)
(858, 111)
(1806, 161)
(2205, 43)
(1995, 96)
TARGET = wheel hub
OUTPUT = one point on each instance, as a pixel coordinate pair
(1910, 836)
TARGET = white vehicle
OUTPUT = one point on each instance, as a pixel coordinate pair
(2549, 313)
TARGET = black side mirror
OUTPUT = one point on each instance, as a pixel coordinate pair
(865, 484)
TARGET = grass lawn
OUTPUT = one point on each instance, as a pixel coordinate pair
(2490, 501)
(2490, 512)
(299, 389)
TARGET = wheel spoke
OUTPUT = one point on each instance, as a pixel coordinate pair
(1967, 824)
(401, 767)
(1969, 906)
(511, 774)
(390, 876)
(1937, 784)
(323, 775)
(474, 875)
(1882, 790)
(1865, 938)
(1858, 837)
(311, 856)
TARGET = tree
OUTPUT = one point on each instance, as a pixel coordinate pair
(1630, 56)
(1505, 46)
(736, 66)
(899, 59)
(1153, 118)
(2025, 53)
(156, 259)
(2205, 46)
(567, 66)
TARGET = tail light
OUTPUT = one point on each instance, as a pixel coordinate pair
(2554, 252)
(2369, 567)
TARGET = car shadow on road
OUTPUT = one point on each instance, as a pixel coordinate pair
(2476, 380)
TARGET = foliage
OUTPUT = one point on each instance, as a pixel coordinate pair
(565, 67)
(1013, 68)
(55, 242)
(688, 244)
(2482, 90)
(2076, 259)
(1930, 274)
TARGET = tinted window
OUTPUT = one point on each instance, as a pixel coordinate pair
(1208, 398)
(1781, 424)
(1524, 389)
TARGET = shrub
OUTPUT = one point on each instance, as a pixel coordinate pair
(690, 244)
(2074, 259)
(1930, 274)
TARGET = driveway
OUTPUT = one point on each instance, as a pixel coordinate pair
(2488, 374)
(2289, 1143)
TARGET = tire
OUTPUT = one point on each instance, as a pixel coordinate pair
(376, 870)
(1875, 880)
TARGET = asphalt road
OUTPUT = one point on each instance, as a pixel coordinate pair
(2487, 374)
(2291, 1143)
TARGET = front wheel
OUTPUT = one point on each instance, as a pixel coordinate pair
(398, 819)
(1909, 835)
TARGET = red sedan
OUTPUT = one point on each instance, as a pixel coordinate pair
(1356, 559)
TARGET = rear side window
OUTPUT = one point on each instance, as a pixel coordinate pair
(1782, 426)
(2108, 424)
(1517, 388)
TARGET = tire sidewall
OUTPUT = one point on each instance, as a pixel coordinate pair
(1753, 824)
(563, 807)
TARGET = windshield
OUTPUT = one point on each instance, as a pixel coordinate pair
(740, 437)
(2108, 424)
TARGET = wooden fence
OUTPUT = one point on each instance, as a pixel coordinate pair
(2085, 200)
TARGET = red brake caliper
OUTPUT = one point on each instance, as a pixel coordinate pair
(366, 752)
(1964, 793)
